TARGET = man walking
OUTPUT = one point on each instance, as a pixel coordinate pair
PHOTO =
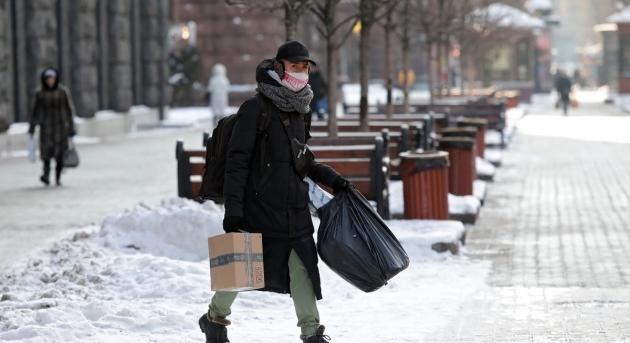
(53, 112)
(265, 193)
(563, 87)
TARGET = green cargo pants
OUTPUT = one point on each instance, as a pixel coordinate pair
(302, 293)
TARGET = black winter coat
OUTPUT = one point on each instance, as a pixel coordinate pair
(262, 186)
(53, 111)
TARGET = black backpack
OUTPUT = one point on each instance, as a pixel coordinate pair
(216, 153)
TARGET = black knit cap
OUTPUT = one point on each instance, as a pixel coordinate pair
(293, 51)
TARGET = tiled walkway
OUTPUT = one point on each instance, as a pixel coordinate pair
(556, 226)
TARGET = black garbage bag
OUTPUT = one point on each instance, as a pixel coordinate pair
(354, 241)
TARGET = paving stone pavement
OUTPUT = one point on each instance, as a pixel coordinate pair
(114, 175)
(556, 227)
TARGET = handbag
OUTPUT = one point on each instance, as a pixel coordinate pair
(31, 146)
(70, 156)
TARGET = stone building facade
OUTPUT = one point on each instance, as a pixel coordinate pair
(241, 37)
(235, 36)
(110, 53)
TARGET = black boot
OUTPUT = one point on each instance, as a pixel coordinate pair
(319, 336)
(58, 170)
(45, 179)
(215, 330)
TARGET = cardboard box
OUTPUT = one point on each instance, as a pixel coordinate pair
(236, 262)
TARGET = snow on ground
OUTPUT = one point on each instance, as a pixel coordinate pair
(484, 167)
(512, 117)
(144, 277)
(456, 204)
(191, 116)
(599, 128)
(18, 128)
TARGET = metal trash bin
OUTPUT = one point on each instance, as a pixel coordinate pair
(425, 184)
(480, 125)
(462, 171)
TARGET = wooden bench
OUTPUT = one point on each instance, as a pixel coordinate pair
(429, 123)
(190, 168)
(365, 165)
(492, 111)
(408, 138)
(407, 135)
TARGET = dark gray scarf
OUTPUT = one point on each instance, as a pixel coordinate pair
(287, 100)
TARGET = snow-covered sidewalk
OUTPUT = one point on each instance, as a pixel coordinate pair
(143, 276)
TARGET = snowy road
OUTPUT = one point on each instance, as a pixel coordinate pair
(113, 176)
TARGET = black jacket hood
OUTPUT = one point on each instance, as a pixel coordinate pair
(262, 73)
(43, 78)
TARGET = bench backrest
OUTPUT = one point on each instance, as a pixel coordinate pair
(365, 165)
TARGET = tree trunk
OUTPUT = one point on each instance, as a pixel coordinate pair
(389, 82)
(430, 83)
(290, 22)
(331, 63)
(364, 56)
(447, 67)
(440, 71)
(405, 63)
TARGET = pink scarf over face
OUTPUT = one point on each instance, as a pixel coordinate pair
(295, 81)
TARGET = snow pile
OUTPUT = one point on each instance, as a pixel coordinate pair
(493, 138)
(494, 156)
(90, 288)
(396, 197)
(456, 204)
(80, 291)
(177, 228)
(485, 168)
(466, 204)
(423, 234)
(480, 189)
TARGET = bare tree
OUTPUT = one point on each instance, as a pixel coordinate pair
(405, 15)
(335, 32)
(292, 11)
(389, 26)
(480, 34)
(439, 21)
(370, 12)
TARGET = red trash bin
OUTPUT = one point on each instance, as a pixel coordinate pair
(462, 171)
(480, 125)
(425, 184)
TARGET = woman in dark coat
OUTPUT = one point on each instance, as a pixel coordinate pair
(265, 193)
(53, 112)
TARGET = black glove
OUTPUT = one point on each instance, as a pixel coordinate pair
(232, 223)
(340, 184)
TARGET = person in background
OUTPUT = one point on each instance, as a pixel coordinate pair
(563, 87)
(218, 87)
(319, 104)
(53, 112)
